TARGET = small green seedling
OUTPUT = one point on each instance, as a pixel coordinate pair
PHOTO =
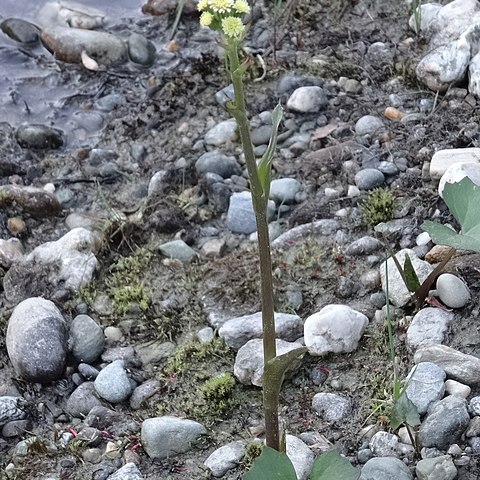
(378, 207)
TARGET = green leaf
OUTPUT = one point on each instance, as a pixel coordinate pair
(463, 200)
(404, 411)
(412, 282)
(332, 466)
(265, 165)
(271, 465)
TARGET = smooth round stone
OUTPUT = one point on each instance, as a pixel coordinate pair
(82, 400)
(217, 162)
(141, 50)
(385, 468)
(352, 86)
(261, 135)
(368, 125)
(423, 239)
(284, 190)
(86, 339)
(307, 100)
(39, 137)
(452, 387)
(223, 132)
(369, 178)
(20, 31)
(331, 406)
(452, 291)
(112, 383)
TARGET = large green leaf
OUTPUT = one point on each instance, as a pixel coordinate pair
(332, 466)
(463, 200)
(271, 465)
(404, 411)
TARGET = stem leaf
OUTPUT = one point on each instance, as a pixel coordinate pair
(412, 282)
(271, 465)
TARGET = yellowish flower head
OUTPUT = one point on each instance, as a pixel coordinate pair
(206, 19)
(221, 6)
(233, 27)
(241, 6)
(202, 5)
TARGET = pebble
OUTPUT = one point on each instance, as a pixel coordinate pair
(474, 406)
(473, 429)
(369, 125)
(178, 249)
(239, 330)
(353, 86)
(384, 444)
(240, 214)
(369, 178)
(11, 409)
(113, 334)
(82, 400)
(332, 407)
(21, 31)
(222, 133)
(153, 352)
(143, 392)
(438, 468)
(324, 227)
(380, 54)
(457, 172)
(443, 159)
(423, 239)
(452, 291)
(261, 135)
(425, 385)
(92, 455)
(300, 455)
(428, 327)
(214, 247)
(16, 428)
(284, 190)
(335, 328)
(112, 383)
(167, 437)
(67, 45)
(458, 366)
(36, 340)
(141, 50)
(225, 458)
(248, 366)
(39, 137)
(307, 100)
(11, 251)
(397, 291)
(452, 387)
(87, 371)
(86, 339)
(363, 246)
(217, 162)
(385, 468)
(225, 95)
(446, 421)
(128, 472)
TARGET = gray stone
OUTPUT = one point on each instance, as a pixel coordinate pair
(459, 366)
(397, 291)
(16, 428)
(11, 251)
(37, 340)
(128, 472)
(332, 407)
(86, 339)
(67, 44)
(158, 183)
(446, 421)
(222, 133)
(368, 125)
(428, 327)
(335, 328)
(11, 408)
(238, 331)
(39, 137)
(452, 291)
(177, 249)
(379, 54)
(261, 135)
(384, 444)
(364, 246)
(20, 30)
(167, 437)
(241, 216)
(324, 227)
(225, 95)
(385, 468)
(443, 159)
(474, 406)
(225, 458)
(205, 335)
(307, 100)
(112, 383)
(283, 190)
(143, 392)
(425, 385)
(82, 400)
(154, 352)
(248, 366)
(352, 86)
(452, 387)
(300, 455)
(217, 162)
(369, 178)
(87, 371)
(141, 50)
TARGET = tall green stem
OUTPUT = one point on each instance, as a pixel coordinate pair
(260, 202)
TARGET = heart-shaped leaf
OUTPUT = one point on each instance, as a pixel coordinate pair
(332, 466)
(271, 465)
(404, 411)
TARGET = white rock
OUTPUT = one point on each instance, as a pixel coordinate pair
(423, 239)
(474, 76)
(300, 455)
(335, 328)
(112, 383)
(11, 251)
(248, 367)
(283, 190)
(459, 171)
(443, 159)
(452, 291)
(428, 327)
(397, 291)
(223, 132)
(307, 99)
(225, 458)
(428, 13)
(384, 444)
(452, 387)
(331, 406)
(437, 468)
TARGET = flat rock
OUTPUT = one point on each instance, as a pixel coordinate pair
(37, 340)
(112, 383)
(86, 339)
(82, 400)
(428, 327)
(307, 100)
(425, 385)
(178, 249)
(385, 468)
(335, 328)
(238, 331)
(458, 366)
(225, 458)
(443, 159)
(319, 228)
(437, 468)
